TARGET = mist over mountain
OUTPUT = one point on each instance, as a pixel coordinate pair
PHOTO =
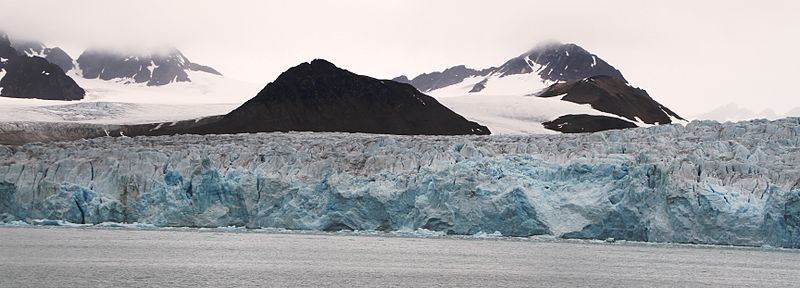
(153, 68)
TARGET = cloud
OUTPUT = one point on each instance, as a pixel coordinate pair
(689, 55)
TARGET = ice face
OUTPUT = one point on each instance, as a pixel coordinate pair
(733, 183)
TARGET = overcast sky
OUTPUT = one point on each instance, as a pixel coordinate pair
(690, 55)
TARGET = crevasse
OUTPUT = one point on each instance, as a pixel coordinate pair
(732, 183)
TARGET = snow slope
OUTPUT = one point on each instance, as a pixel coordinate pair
(509, 106)
(503, 98)
(733, 183)
(112, 102)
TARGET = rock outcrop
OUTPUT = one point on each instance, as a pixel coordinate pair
(23, 76)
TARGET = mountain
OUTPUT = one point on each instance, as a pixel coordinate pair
(732, 112)
(505, 98)
(110, 101)
(318, 96)
(558, 62)
(23, 76)
(155, 68)
(535, 69)
(607, 94)
(435, 80)
(314, 97)
(53, 55)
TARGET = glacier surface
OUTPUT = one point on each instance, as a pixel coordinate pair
(706, 182)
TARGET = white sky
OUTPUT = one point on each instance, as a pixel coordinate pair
(690, 55)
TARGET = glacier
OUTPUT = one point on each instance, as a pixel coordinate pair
(704, 183)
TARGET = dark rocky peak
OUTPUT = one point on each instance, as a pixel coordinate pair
(54, 55)
(23, 76)
(558, 62)
(613, 95)
(6, 51)
(435, 80)
(154, 68)
(318, 96)
(35, 77)
(30, 48)
(402, 79)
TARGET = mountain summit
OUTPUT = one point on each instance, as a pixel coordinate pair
(557, 62)
(519, 96)
(28, 76)
(320, 97)
(527, 73)
(154, 68)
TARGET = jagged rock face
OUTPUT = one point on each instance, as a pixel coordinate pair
(559, 62)
(612, 95)
(547, 63)
(33, 77)
(6, 51)
(53, 55)
(319, 96)
(435, 80)
(155, 69)
(737, 185)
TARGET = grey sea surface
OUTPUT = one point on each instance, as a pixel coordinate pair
(92, 257)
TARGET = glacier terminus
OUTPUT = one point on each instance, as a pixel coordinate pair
(706, 182)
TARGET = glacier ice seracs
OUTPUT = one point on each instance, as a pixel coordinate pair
(732, 183)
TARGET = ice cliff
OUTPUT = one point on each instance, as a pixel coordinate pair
(733, 183)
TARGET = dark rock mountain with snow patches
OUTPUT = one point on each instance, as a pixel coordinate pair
(550, 62)
(53, 55)
(24, 76)
(311, 97)
(606, 94)
(320, 97)
(155, 69)
(547, 71)
(435, 80)
(612, 95)
(558, 62)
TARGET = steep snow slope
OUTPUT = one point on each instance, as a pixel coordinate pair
(703, 183)
(110, 102)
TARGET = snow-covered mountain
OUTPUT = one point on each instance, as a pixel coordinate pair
(732, 112)
(525, 74)
(114, 100)
(154, 68)
(53, 55)
(109, 102)
(504, 98)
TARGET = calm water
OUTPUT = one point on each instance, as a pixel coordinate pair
(81, 257)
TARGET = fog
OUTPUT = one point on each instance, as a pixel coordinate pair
(690, 55)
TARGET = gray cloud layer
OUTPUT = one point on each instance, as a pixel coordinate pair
(690, 55)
